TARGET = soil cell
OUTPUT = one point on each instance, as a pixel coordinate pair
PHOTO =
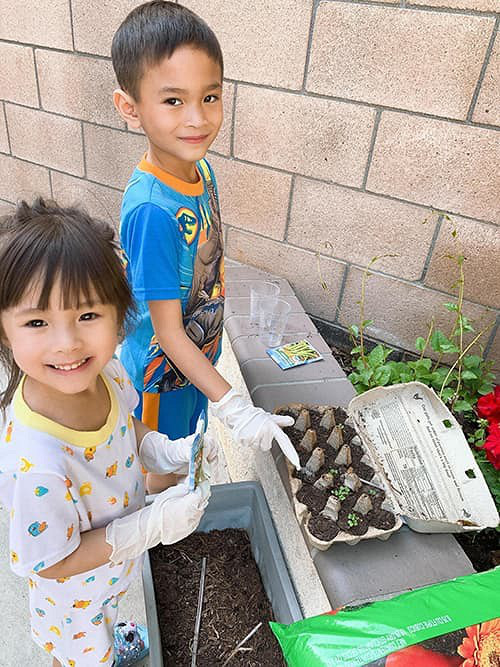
(234, 601)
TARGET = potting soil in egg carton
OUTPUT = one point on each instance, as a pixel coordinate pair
(397, 452)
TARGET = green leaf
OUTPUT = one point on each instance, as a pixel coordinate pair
(420, 344)
(440, 343)
(471, 361)
(485, 388)
(376, 356)
(469, 375)
(382, 376)
(365, 375)
(366, 323)
(462, 406)
(354, 330)
(447, 394)
(452, 307)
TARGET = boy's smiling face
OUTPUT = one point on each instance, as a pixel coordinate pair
(180, 110)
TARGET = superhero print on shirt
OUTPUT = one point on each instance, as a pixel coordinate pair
(203, 307)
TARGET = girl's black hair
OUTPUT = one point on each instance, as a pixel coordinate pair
(43, 243)
(154, 31)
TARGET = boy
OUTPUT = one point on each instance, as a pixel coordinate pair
(169, 66)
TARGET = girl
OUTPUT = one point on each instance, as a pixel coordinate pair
(70, 463)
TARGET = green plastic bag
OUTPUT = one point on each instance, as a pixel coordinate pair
(460, 616)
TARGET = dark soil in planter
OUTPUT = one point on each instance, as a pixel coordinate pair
(234, 602)
(483, 547)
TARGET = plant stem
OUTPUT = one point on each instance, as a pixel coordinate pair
(245, 639)
(431, 326)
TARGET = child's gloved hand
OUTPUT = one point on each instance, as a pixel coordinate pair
(160, 454)
(254, 426)
(173, 515)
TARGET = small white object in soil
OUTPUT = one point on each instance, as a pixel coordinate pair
(335, 438)
(309, 440)
(356, 440)
(316, 460)
(344, 457)
(332, 508)
(303, 421)
(328, 420)
(325, 482)
(352, 481)
(363, 504)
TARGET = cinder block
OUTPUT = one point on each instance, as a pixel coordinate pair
(423, 61)
(112, 155)
(235, 271)
(239, 325)
(479, 243)
(310, 136)
(263, 42)
(299, 267)
(241, 305)
(258, 372)
(252, 197)
(248, 348)
(355, 226)
(222, 144)
(17, 74)
(77, 86)
(22, 180)
(402, 311)
(42, 137)
(44, 22)
(241, 288)
(98, 200)
(488, 103)
(95, 22)
(337, 391)
(4, 139)
(479, 5)
(437, 163)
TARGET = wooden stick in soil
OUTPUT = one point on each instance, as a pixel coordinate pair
(198, 612)
(237, 648)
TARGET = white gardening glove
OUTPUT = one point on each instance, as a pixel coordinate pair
(174, 514)
(160, 454)
(254, 426)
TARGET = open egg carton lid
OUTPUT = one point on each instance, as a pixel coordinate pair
(421, 450)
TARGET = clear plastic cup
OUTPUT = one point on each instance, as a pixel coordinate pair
(273, 317)
(263, 289)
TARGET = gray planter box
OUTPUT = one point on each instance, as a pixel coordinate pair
(240, 505)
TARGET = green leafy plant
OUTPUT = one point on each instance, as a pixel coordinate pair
(352, 520)
(459, 383)
(341, 492)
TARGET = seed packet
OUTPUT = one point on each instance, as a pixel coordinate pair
(196, 472)
(294, 354)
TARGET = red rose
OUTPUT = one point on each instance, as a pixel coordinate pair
(488, 407)
(492, 445)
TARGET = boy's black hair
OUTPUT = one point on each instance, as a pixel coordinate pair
(154, 31)
(42, 244)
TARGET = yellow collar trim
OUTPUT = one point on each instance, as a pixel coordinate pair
(76, 438)
(177, 184)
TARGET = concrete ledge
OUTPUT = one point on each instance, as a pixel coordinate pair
(343, 574)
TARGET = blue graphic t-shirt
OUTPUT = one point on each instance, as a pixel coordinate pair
(172, 241)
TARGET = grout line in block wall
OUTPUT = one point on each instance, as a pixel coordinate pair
(376, 123)
(84, 152)
(407, 4)
(233, 121)
(71, 24)
(492, 336)
(352, 265)
(37, 80)
(341, 293)
(289, 208)
(479, 83)
(310, 36)
(4, 112)
(353, 188)
(432, 245)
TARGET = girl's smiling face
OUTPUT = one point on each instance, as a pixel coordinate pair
(61, 349)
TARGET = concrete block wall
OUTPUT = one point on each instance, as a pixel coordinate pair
(353, 129)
